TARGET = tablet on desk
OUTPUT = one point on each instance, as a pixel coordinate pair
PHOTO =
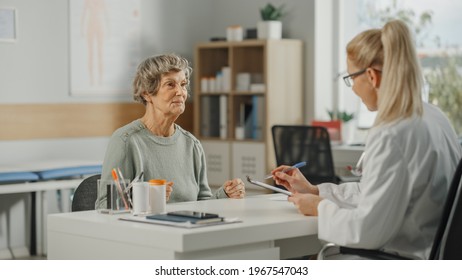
(175, 218)
(269, 187)
(193, 214)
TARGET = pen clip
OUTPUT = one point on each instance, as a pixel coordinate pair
(295, 166)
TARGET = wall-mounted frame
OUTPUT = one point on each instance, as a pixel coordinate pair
(8, 25)
(104, 42)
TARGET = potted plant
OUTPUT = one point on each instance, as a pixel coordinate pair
(271, 26)
(347, 126)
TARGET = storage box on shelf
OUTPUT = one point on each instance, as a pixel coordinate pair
(241, 89)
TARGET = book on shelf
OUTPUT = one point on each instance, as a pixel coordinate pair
(251, 116)
(258, 115)
(226, 78)
(248, 120)
(214, 116)
(223, 116)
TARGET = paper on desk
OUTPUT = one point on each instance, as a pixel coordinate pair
(278, 197)
(176, 224)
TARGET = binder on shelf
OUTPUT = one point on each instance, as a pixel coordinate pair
(226, 78)
(223, 116)
(245, 118)
(248, 126)
(258, 115)
(205, 116)
(214, 120)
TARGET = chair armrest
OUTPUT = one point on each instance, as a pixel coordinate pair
(332, 250)
(371, 254)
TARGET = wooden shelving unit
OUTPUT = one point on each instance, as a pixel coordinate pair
(275, 70)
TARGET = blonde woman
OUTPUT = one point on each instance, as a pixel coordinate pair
(410, 156)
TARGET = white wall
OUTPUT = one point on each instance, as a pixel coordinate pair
(35, 69)
(298, 23)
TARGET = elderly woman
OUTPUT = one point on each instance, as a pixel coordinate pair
(157, 146)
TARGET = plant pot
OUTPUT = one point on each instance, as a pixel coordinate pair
(348, 132)
(270, 29)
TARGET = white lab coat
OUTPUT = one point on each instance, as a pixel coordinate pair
(407, 170)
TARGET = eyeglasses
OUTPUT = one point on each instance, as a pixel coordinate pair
(349, 79)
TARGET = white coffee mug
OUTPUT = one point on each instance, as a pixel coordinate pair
(141, 198)
(157, 196)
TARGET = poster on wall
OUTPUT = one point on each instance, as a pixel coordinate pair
(104, 46)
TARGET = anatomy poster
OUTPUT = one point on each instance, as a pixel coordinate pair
(104, 46)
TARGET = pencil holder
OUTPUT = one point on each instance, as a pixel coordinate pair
(113, 197)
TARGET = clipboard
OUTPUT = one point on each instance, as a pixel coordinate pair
(269, 187)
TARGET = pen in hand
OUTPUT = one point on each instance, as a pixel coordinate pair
(295, 166)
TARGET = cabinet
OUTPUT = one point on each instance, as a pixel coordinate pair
(241, 89)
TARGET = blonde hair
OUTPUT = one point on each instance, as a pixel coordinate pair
(392, 49)
(150, 72)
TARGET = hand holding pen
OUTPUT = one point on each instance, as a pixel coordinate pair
(295, 166)
(294, 182)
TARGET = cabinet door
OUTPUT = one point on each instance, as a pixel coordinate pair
(249, 159)
(217, 155)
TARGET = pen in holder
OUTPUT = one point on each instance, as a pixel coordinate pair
(112, 199)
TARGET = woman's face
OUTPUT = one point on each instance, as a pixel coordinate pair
(365, 85)
(172, 94)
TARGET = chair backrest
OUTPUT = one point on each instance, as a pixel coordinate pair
(86, 193)
(296, 143)
(448, 243)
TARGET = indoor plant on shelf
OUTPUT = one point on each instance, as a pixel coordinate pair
(347, 125)
(271, 26)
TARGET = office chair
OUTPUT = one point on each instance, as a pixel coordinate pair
(447, 244)
(86, 193)
(296, 143)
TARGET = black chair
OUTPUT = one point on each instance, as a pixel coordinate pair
(296, 143)
(86, 193)
(447, 244)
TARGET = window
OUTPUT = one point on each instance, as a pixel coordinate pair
(435, 26)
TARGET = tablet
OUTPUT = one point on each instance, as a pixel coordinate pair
(193, 214)
(266, 186)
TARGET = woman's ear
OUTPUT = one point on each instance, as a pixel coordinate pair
(147, 97)
(374, 77)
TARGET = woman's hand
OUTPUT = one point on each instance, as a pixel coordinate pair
(293, 180)
(234, 188)
(306, 203)
(168, 190)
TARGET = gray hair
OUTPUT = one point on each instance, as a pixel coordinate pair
(150, 72)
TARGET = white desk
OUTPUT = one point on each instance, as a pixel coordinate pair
(270, 229)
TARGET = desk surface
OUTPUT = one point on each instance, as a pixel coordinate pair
(269, 223)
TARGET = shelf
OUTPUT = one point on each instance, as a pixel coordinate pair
(237, 120)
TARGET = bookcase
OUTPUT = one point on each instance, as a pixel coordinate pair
(241, 89)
